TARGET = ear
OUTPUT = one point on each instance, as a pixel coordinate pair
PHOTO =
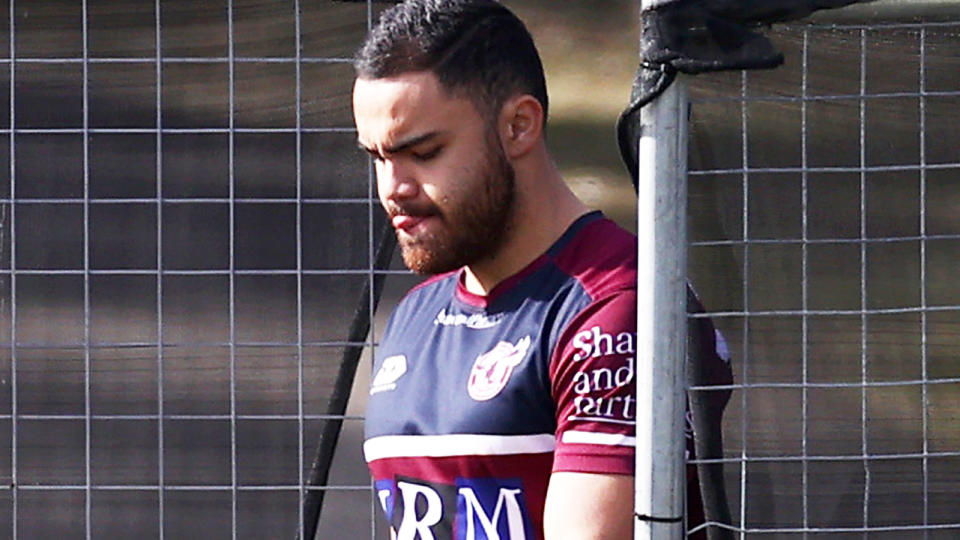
(520, 125)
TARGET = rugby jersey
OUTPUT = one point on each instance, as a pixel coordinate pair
(476, 400)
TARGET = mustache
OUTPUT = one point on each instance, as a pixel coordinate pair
(414, 210)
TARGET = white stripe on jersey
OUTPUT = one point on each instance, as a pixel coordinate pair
(592, 437)
(394, 446)
(603, 419)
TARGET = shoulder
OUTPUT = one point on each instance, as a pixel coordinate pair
(427, 297)
(430, 288)
(602, 257)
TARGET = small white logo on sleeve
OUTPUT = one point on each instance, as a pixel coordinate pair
(393, 368)
(492, 369)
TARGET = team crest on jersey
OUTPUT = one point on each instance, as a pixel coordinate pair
(492, 369)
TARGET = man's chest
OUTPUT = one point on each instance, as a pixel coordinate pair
(463, 372)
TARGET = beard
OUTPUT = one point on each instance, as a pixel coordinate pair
(475, 227)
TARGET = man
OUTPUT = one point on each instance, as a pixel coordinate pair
(502, 403)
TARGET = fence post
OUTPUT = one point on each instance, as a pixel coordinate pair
(661, 314)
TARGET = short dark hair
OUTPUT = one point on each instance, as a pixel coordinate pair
(477, 48)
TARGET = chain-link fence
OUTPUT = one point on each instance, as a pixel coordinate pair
(825, 229)
(188, 229)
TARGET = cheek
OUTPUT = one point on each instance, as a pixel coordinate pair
(433, 181)
(452, 184)
(433, 192)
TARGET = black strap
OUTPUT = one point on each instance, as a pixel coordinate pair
(654, 519)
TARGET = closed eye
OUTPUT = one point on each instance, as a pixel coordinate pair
(409, 147)
(427, 155)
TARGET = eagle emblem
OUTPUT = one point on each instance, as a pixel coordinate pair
(492, 369)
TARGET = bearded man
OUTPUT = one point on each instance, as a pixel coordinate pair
(502, 403)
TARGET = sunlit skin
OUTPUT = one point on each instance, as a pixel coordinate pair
(438, 160)
(430, 152)
(449, 196)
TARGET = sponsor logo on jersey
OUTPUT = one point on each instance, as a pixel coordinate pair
(594, 343)
(471, 509)
(492, 369)
(604, 380)
(390, 371)
(476, 321)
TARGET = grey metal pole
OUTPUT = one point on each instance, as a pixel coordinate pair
(661, 313)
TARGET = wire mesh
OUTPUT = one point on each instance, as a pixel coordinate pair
(824, 232)
(187, 225)
(186, 231)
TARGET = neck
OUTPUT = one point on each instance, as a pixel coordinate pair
(544, 209)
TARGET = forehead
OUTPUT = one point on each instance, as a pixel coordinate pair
(405, 105)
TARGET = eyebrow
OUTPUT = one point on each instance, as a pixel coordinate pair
(400, 146)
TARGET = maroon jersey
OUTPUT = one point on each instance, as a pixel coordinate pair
(476, 400)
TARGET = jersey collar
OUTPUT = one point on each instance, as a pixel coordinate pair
(484, 301)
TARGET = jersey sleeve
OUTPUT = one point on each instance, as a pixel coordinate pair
(593, 384)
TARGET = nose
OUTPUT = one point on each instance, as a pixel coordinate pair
(394, 183)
